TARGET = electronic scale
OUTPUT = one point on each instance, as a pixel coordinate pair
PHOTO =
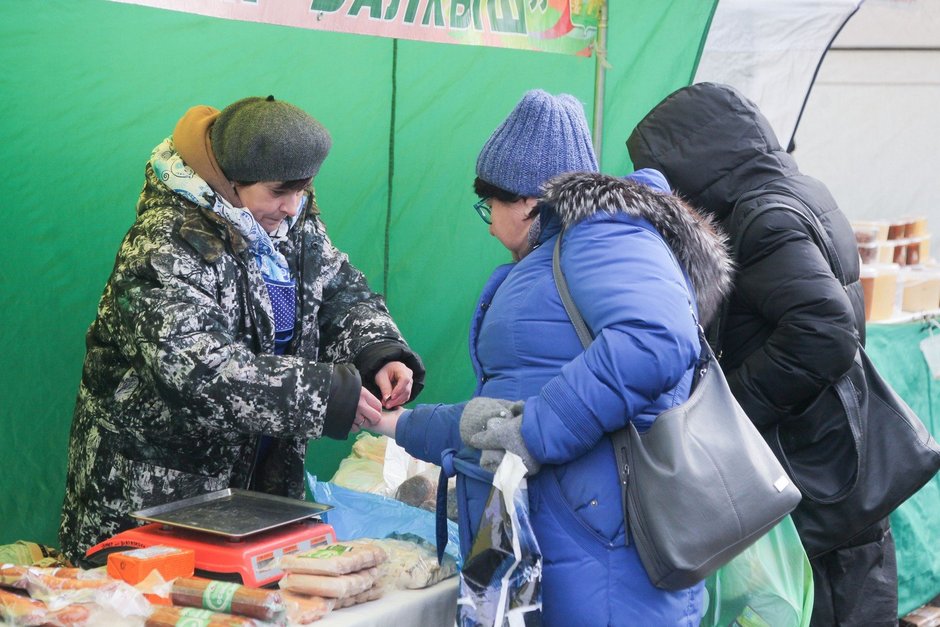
(237, 535)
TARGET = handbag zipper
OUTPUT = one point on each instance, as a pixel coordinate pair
(624, 486)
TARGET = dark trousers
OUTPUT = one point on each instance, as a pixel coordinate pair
(857, 584)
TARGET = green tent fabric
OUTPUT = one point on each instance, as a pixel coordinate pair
(90, 87)
(895, 350)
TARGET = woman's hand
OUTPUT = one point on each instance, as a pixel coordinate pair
(394, 381)
(389, 421)
(368, 412)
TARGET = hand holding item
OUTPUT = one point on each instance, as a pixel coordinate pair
(368, 412)
(394, 381)
(493, 426)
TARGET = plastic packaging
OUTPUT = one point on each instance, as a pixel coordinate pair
(501, 581)
(227, 597)
(339, 558)
(400, 466)
(173, 616)
(330, 586)
(879, 283)
(362, 469)
(19, 610)
(412, 563)
(876, 252)
(899, 251)
(920, 289)
(898, 229)
(135, 565)
(303, 609)
(363, 515)
(18, 576)
(420, 490)
(770, 583)
(870, 231)
(373, 593)
(112, 596)
(31, 554)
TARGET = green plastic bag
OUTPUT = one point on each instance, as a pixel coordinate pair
(23, 553)
(770, 584)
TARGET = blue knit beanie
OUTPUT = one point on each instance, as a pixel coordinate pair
(544, 136)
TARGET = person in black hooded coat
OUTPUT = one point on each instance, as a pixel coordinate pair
(790, 327)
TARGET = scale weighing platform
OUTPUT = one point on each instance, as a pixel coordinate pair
(237, 535)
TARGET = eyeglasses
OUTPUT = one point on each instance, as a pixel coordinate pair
(483, 210)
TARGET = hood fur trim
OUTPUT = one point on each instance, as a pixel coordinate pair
(697, 243)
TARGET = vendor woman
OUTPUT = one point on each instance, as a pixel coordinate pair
(231, 330)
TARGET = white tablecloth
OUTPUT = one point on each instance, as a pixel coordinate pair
(431, 607)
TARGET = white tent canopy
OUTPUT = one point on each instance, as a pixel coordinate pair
(770, 50)
(870, 127)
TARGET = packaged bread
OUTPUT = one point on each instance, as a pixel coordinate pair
(52, 583)
(227, 597)
(75, 588)
(17, 609)
(412, 562)
(303, 609)
(420, 490)
(331, 586)
(170, 616)
(373, 593)
(16, 576)
(339, 558)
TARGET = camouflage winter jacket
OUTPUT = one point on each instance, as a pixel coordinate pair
(180, 376)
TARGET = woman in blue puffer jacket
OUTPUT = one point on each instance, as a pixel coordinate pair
(632, 256)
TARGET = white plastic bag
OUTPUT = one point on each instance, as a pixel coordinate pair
(399, 465)
(501, 579)
(361, 470)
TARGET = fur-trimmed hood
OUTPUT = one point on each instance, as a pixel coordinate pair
(699, 246)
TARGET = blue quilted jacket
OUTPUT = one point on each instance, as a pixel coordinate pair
(627, 282)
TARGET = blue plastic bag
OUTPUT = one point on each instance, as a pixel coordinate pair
(365, 515)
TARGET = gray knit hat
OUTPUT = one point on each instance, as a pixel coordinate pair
(263, 139)
(545, 135)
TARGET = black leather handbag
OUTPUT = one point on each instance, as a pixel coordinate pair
(857, 451)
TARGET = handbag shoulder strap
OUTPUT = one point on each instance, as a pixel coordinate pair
(735, 235)
(789, 202)
(584, 334)
(620, 439)
(580, 327)
(736, 232)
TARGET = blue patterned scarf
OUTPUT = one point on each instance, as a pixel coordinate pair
(183, 180)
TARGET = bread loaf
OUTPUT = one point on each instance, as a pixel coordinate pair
(334, 559)
(303, 609)
(331, 586)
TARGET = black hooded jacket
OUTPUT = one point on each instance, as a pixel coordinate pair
(790, 327)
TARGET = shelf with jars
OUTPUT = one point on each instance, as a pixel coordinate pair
(900, 280)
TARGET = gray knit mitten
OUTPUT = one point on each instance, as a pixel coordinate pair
(478, 411)
(498, 433)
